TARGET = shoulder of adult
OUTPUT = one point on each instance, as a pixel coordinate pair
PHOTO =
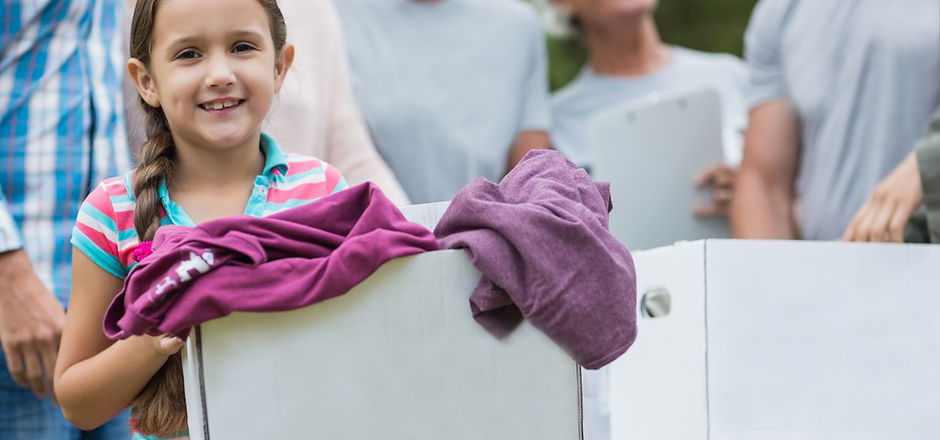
(766, 80)
(768, 15)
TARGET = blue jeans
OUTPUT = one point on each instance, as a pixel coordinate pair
(25, 417)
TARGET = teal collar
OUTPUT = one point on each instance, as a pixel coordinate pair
(275, 162)
(274, 157)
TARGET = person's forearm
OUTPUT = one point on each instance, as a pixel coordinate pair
(95, 390)
(761, 209)
(762, 206)
(524, 142)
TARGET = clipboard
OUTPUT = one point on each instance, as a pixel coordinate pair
(650, 151)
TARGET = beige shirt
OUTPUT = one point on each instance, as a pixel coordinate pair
(314, 114)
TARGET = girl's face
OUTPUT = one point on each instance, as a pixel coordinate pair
(213, 70)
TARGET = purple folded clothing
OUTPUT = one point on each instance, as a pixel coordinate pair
(541, 239)
(282, 262)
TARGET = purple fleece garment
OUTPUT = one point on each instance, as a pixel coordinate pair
(285, 261)
(541, 240)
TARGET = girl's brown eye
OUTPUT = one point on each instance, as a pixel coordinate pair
(242, 47)
(187, 54)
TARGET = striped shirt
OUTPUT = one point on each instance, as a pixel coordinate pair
(138, 436)
(105, 228)
(61, 122)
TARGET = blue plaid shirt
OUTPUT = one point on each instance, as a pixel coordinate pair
(61, 122)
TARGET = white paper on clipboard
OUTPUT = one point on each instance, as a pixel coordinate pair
(650, 151)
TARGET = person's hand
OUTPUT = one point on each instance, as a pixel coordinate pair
(166, 345)
(884, 215)
(721, 178)
(31, 322)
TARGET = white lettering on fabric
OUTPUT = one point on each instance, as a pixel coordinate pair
(167, 282)
(199, 263)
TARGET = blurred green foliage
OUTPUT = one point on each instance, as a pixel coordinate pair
(708, 25)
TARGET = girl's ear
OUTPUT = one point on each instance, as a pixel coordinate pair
(282, 65)
(143, 81)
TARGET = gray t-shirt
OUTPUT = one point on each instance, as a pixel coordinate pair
(446, 86)
(864, 76)
(575, 104)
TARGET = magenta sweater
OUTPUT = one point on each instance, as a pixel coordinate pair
(288, 260)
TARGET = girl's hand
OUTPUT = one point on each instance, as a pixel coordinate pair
(166, 345)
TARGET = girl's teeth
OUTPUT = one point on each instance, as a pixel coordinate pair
(221, 105)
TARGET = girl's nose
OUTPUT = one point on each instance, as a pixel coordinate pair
(219, 72)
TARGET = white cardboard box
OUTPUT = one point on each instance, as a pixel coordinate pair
(784, 340)
(398, 357)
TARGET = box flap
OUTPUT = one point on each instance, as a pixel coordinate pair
(658, 388)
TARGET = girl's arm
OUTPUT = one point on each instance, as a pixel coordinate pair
(96, 378)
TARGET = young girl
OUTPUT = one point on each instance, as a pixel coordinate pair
(207, 72)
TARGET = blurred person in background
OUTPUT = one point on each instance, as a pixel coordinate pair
(906, 204)
(839, 92)
(627, 60)
(315, 113)
(451, 90)
(62, 127)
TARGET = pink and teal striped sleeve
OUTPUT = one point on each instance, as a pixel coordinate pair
(105, 230)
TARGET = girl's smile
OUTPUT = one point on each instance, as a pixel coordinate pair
(215, 80)
(221, 106)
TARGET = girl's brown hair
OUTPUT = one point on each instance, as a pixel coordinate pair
(160, 408)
